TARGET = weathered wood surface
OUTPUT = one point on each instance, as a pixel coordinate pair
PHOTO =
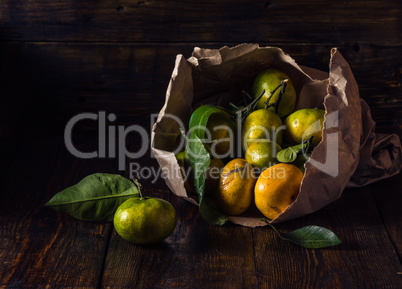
(64, 57)
(40, 247)
(388, 203)
(354, 22)
(60, 58)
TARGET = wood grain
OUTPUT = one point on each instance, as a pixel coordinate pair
(196, 255)
(356, 22)
(388, 197)
(40, 247)
(61, 58)
(363, 260)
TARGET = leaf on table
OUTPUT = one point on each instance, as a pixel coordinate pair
(312, 237)
(212, 215)
(94, 198)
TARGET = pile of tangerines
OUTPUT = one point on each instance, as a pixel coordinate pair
(276, 141)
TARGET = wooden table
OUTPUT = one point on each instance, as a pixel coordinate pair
(60, 58)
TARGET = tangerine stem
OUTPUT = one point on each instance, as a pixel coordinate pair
(309, 144)
(246, 97)
(138, 185)
(245, 111)
(233, 105)
(183, 133)
(280, 236)
(255, 101)
(267, 105)
(278, 100)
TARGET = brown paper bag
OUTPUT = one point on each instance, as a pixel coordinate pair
(350, 154)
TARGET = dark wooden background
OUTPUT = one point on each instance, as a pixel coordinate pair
(59, 58)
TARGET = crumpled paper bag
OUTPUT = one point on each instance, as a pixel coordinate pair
(350, 154)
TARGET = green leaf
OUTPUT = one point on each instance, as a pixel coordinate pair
(199, 118)
(290, 154)
(287, 155)
(200, 158)
(311, 237)
(94, 198)
(212, 215)
(300, 161)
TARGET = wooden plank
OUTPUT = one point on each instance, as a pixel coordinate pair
(388, 196)
(196, 255)
(40, 247)
(202, 21)
(365, 259)
(59, 80)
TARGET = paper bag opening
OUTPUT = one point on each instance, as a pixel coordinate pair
(350, 154)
